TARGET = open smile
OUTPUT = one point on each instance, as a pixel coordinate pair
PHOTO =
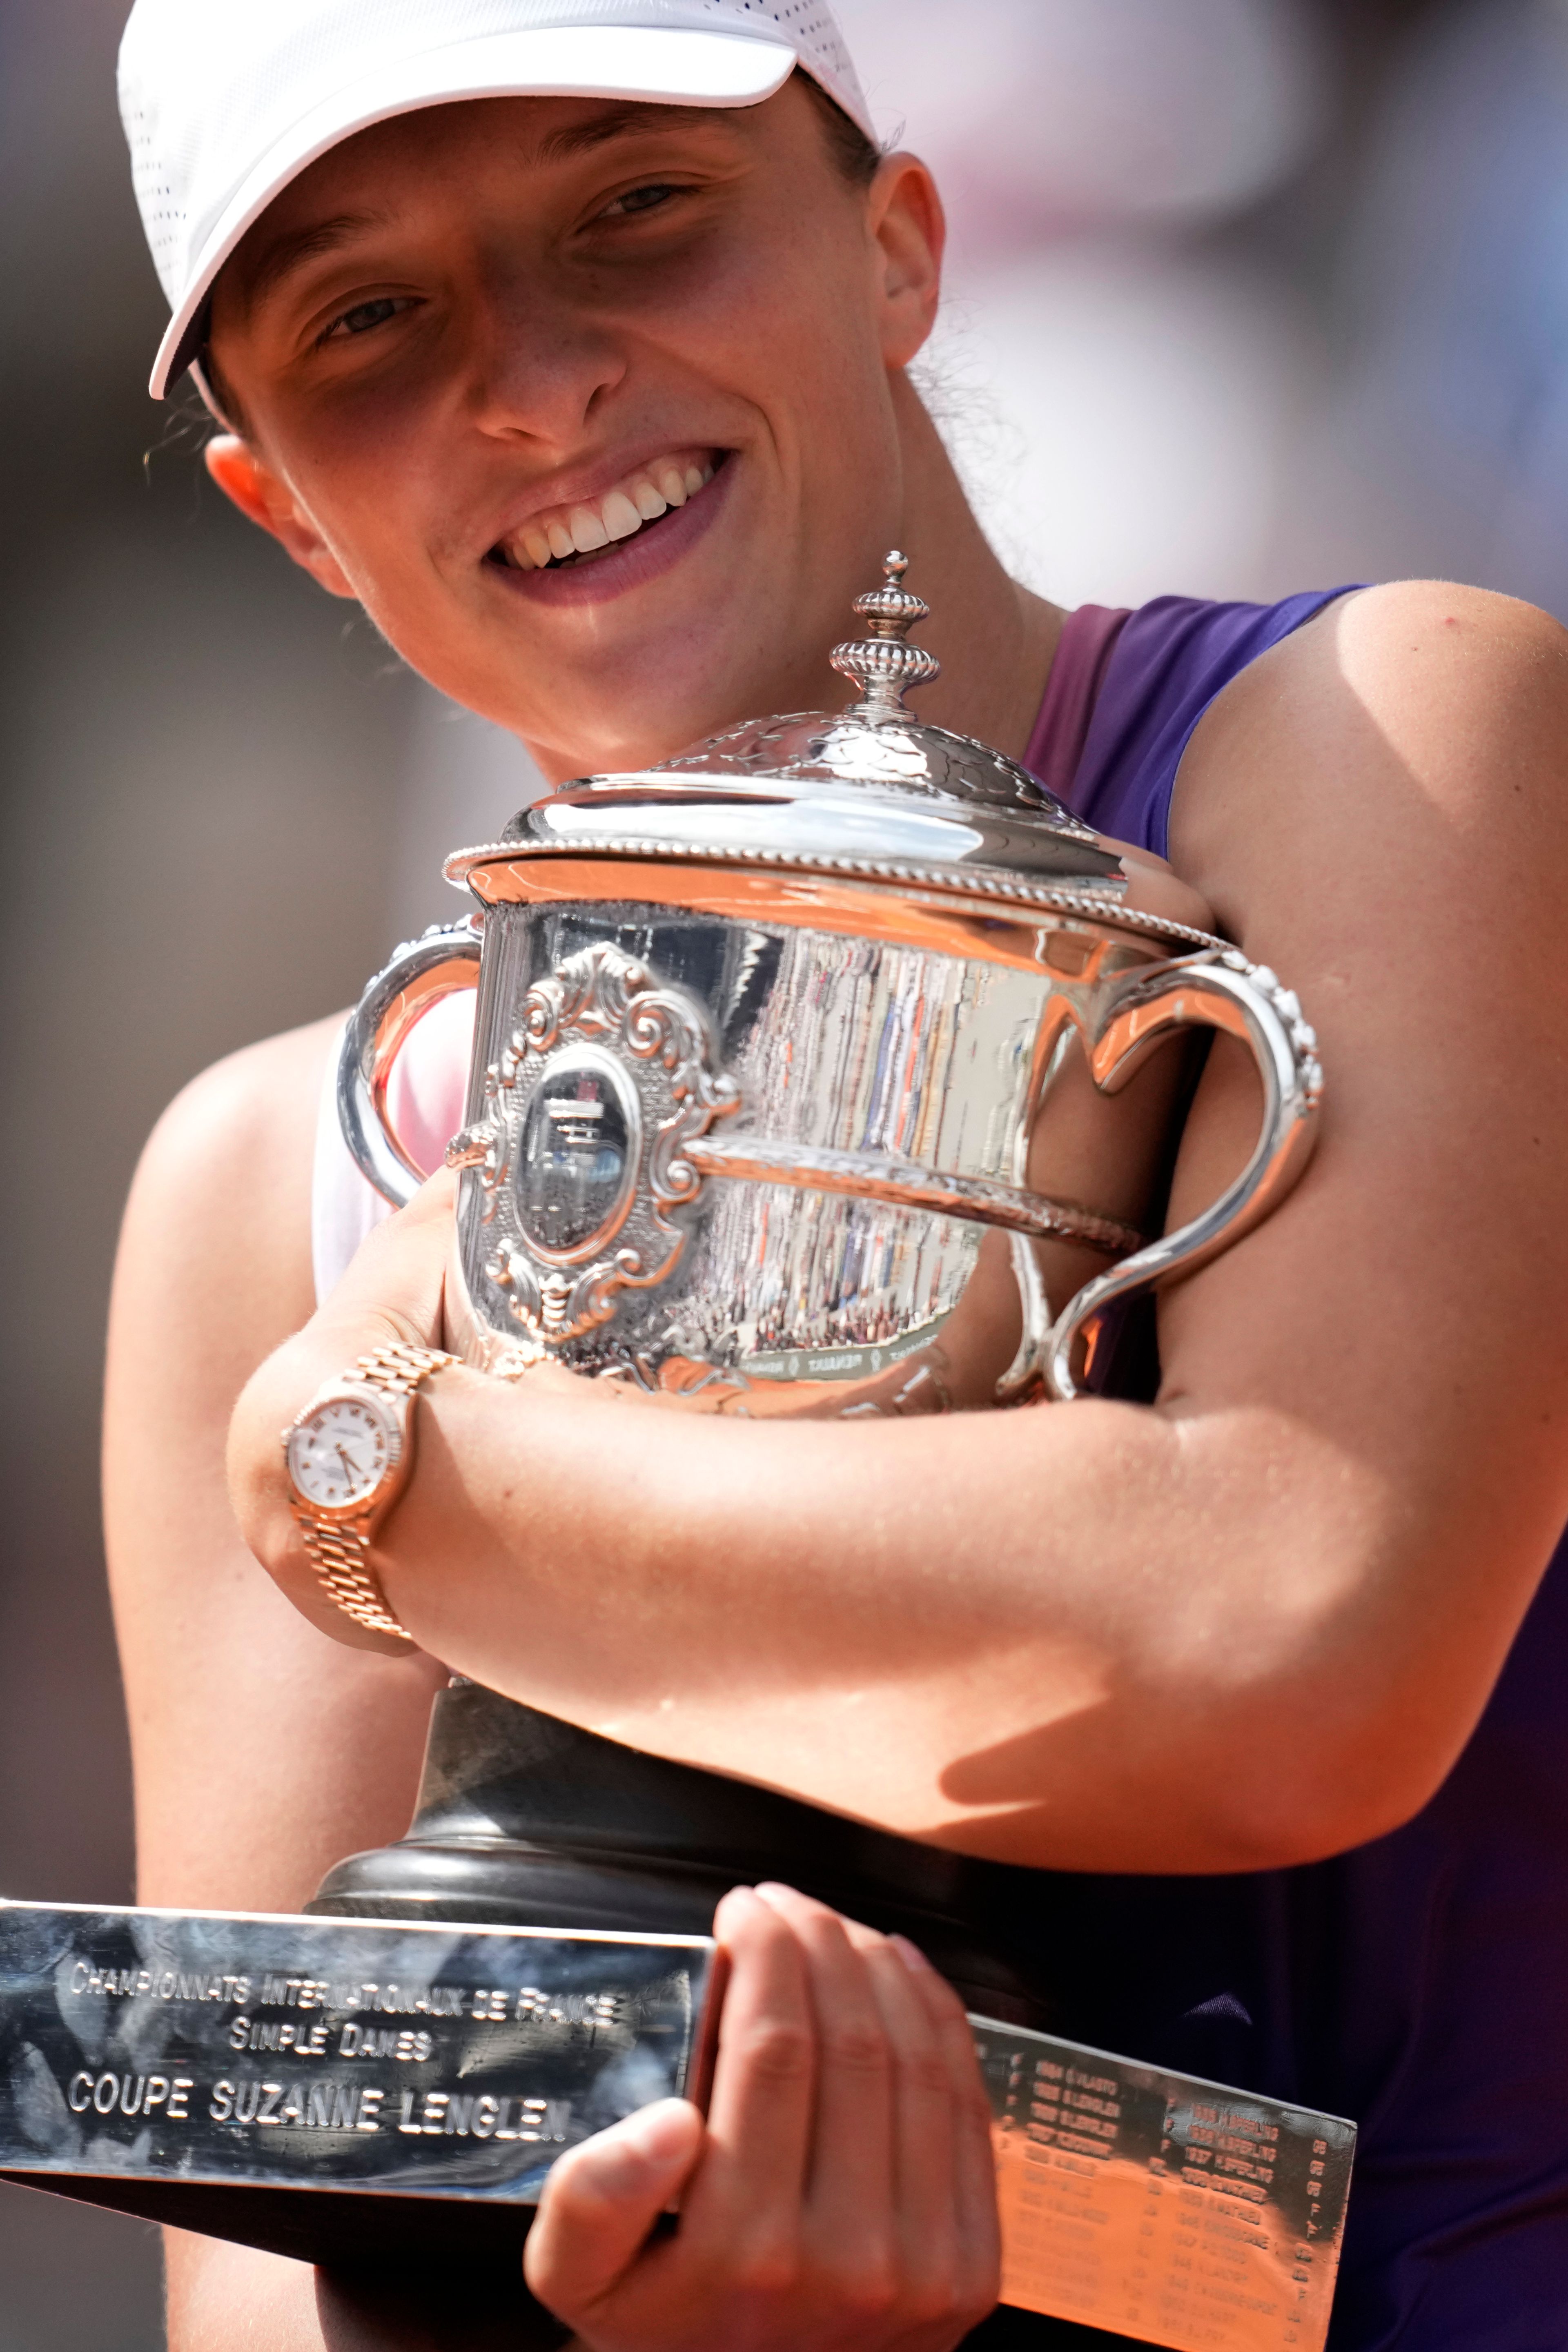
(597, 547)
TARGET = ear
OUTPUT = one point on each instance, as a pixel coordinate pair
(911, 232)
(240, 474)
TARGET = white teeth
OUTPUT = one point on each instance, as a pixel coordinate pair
(621, 518)
(619, 515)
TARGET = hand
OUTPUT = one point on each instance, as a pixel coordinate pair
(842, 2191)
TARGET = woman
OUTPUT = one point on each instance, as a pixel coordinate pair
(598, 404)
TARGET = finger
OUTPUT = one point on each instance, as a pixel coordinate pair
(850, 2194)
(399, 1273)
(977, 2227)
(925, 2158)
(600, 2202)
(749, 2186)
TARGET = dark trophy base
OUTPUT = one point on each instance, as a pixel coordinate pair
(525, 1821)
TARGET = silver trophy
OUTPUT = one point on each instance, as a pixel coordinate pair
(798, 1081)
(815, 1072)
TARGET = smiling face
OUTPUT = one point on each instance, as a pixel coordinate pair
(597, 409)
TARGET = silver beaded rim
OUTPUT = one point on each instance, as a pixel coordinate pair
(987, 884)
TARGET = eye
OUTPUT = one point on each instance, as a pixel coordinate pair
(642, 200)
(364, 315)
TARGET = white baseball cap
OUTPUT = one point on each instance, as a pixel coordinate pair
(225, 101)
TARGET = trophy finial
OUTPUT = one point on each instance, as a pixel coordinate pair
(880, 663)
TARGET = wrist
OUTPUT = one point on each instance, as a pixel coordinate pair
(313, 1487)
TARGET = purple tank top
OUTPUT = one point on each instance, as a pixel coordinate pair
(1127, 690)
(1418, 1984)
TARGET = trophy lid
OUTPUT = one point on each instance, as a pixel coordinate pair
(870, 787)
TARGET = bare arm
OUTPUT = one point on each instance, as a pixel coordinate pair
(262, 1753)
(1074, 1637)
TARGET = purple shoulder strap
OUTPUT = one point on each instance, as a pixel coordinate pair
(1128, 688)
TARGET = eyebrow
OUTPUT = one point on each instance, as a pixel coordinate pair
(618, 121)
(297, 246)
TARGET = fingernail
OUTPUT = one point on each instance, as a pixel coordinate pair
(618, 2161)
(913, 1958)
(662, 2130)
(778, 1897)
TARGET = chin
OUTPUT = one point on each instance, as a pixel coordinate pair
(630, 711)
(613, 750)
(654, 675)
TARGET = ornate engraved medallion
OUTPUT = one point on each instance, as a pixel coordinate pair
(609, 1075)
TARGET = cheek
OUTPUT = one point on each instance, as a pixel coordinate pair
(375, 475)
(785, 324)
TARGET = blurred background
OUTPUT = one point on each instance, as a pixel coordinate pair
(1248, 295)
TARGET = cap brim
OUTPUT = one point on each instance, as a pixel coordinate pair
(667, 65)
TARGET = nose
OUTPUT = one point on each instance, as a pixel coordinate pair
(543, 364)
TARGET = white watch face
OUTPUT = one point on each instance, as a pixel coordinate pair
(340, 1453)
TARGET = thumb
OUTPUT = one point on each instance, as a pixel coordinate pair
(397, 1276)
(602, 2200)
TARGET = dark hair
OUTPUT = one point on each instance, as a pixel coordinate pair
(230, 417)
(853, 155)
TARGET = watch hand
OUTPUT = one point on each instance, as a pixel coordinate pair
(351, 1470)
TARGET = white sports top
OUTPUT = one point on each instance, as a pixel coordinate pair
(424, 1098)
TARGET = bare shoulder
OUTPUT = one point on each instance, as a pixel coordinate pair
(1416, 731)
(1456, 675)
(1400, 645)
(1378, 808)
(227, 1168)
(1446, 634)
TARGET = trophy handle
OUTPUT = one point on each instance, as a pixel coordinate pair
(445, 958)
(1216, 992)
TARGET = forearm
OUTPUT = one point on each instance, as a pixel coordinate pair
(942, 1627)
(227, 2298)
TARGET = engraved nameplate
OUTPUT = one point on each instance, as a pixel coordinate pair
(1159, 2206)
(184, 2065)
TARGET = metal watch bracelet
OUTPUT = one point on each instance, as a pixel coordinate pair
(339, 1550)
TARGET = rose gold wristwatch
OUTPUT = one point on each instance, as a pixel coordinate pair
(349, 1456)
